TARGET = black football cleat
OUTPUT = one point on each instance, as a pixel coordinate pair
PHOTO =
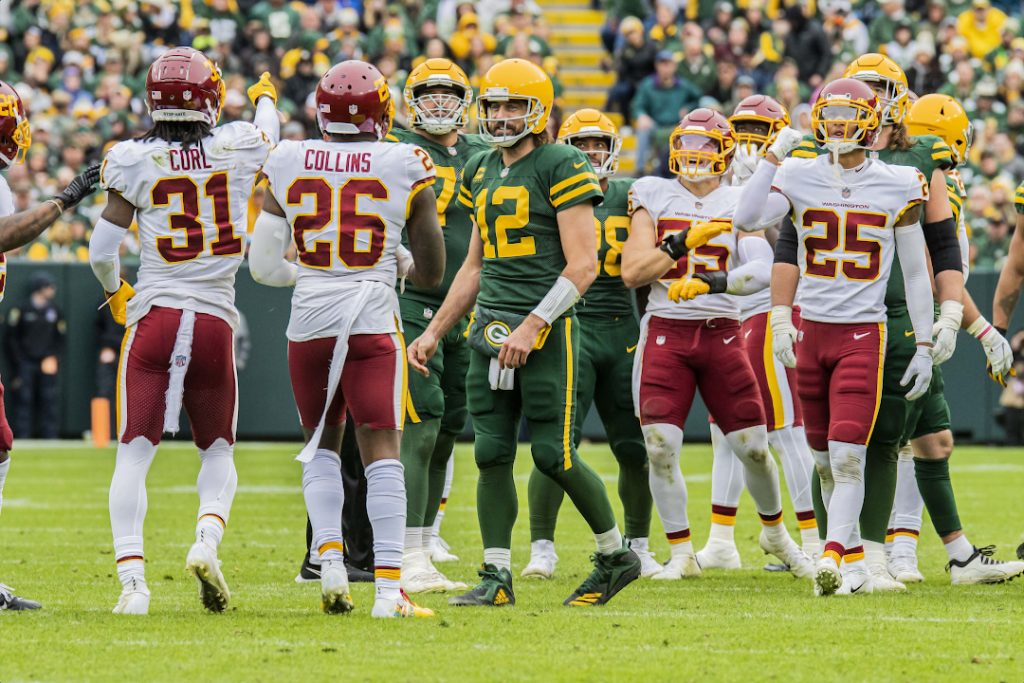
(612, 572)
(10, 601)
(494, 590)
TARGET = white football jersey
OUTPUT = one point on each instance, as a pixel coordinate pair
(347, 203)
(846, 240)
(673, 209)
(6, 209)
(192, 211)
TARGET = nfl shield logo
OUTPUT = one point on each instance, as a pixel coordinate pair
(698, 205)
(187, 95)
(428, 313)
(800, 336)
(660, 341)
(846, 193)
(179, 361)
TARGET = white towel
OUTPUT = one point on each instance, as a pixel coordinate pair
(499, 377)
(181, 356)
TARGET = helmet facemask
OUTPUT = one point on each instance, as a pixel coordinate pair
(440, 112)
(606, 162)
(698, 153)
(531, 119)
(892, 96)
(859, 123)
(754, 134)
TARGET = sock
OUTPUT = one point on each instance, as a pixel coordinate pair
(499, 557)
(679, 542)
(853, 559)
(216, 484)
(385, 506)
(759, 471)
(324, 494)
(497, 486)
(848, 493)
(545, 498)
(879, 490)
(127, 503)
(448, 476)
(905, 522)
(608, 541)
(414, 536)
(723, 523)
(821, 490)
(959, 549)
(797, 464)
(417, 446)
(726, 486)
(4, 467)
(668, 488)
(874, 553)
(937, 492)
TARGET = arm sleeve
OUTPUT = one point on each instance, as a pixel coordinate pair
(755, 271)
(758, 205)
(104, 249)
(910, 248)
(267, 120)
(787, 243)
(943, 245)
(270, 239)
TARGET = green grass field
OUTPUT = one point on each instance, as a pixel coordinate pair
(55, 546)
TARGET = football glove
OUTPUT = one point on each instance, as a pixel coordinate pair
(713, 282)
(262, 87)
(118, 302)
(920, 372)
(786, 141)
(945, 329)
(998, 354)
(783, 335)
(744, 162)
(677, 244)
(81, 186)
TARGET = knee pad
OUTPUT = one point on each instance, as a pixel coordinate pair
(663, 442)
(630, 453)
(848, 462)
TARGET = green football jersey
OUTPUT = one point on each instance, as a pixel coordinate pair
(456, 223)
(516, 213)
(608, 296)
(957, 194)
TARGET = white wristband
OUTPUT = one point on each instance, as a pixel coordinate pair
(979, 328)
(559, 299)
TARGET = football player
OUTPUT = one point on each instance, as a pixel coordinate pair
(682, 244)
(17, 230)
(439, 95)
(529, 261)
(186, 182)
(849, 212)
(756, 122)
(608, 334)
(345, 200)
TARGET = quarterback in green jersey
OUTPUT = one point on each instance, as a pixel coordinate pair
(609, 333)
(531, 257)
(439, 95)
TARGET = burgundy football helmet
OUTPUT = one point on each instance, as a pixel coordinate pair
(353, 97)
(702, 145)
(184, 85)
(853, 104)
(757, 120)
(15, 134)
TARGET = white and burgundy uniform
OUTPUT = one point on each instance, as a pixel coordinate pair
(6, 209)
(845, 246)
(692, 344)
(192, 213)
(347, 204)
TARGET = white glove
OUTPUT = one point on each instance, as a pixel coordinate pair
(786, 141)
(783, 335)
(920, 371)
(997, 350)
(405, 263)
(743, 163)
(944, 330)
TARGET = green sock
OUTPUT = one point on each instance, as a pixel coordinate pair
(436, 473)
(937, 492)
(635, 494)
(588, 494)
(497, 505)
(545, 496)
(879, 491)
(820, 513)
(417, 446)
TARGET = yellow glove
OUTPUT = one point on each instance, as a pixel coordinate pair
(118, 302)
(685, 290)
(702, 233)
(262, 87)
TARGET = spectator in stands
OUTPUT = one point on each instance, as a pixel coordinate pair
(633, 62)
(808, 45)
(883, 26)
(982, 27)
(697, 66)
(664, 30)
(661, 100)
(924, 74)
(279, 16)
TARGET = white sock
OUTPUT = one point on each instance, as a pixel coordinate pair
(448, 476)
(325, 496)
(726, 487)
(127, 504)
(385, 506)
(4, 467)
(216, 483)
(959, 549)
(905, 522)
(797, 463)
(668, 488)
(874, 553)
(499, 557)
(414, 538)
(848, 493)
(759, 471)
(681, 548)
(608, 541)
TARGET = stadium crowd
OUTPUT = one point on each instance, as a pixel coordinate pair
(80, 68)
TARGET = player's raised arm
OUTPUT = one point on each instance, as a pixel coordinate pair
(19, 229)
(911, 250)
(271, 237)
(758, 205)
(426, 241)
(263, 95)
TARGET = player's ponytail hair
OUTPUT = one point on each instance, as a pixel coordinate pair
(900, 139)
(188, 133)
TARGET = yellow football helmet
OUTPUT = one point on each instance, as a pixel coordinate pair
(590, 123)
(881, 72)
(943, 116)
(515, 79)
(438, 113)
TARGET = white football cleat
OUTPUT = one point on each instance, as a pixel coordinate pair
(883, 582)
(439, 551)
(719, 554)
(402, 608)
(827, 577)
(856, 579)
(903, 568)
(777, 541)
(334, 591)
(981, 568)
(542, 560)
(679, 567)
(134, 599)
(419, 575)
(202, 563)
(648, 565)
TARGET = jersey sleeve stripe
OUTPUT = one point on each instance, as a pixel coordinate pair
(572, 180)
(566, 196)
(908, 207)
(941, 155)
(418, 187)
(800, 153)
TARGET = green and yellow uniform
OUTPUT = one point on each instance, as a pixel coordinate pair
(1018, 199)
(437, 403)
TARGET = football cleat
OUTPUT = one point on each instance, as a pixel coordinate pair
(719, 554)
(883, 582)
(777, 542)
(10, 601)
(827, 577)
(648, 565)
(440, 552)
(612, 572)
(1020, 551)
(981, 568)
(334, 592)
(679, 567)
(542, 560)
(419, 575)
(494, 589)
(202, 563)
(856, 580)
(903, 568)
(134, 599)
(308, 572)
(402, 608)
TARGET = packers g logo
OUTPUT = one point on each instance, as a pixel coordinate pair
(496, 332)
